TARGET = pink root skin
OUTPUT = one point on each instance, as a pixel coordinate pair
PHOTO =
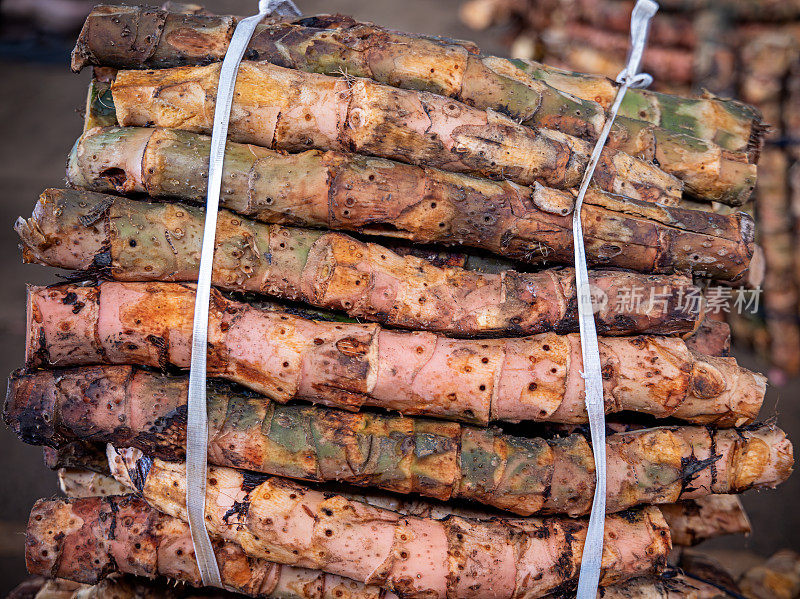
(349, 365)
(712, 338)
(84, 540)
(412, 556)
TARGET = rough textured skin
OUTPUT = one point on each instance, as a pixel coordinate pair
(130, 240)
(74, 482)
(690, 521)
(175, 40)
(694, 521)
(284, 109)
(377, 196)
(758, 62)
(708, 171)
(76, 454)
(733, 125)
(724, 512)
(77, 483)
(712, 338)
(350, 365)
(333, 45)
(86, 539)
(339, 45)
(414, 557)
(434, 458)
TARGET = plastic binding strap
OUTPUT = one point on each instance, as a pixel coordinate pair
(591, 560)
(197, 420)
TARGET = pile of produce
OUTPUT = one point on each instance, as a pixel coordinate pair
(695, 575)
(748, 50)
(395, 402)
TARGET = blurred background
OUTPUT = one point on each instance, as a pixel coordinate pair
(40, 118)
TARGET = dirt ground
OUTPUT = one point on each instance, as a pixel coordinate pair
(39, 121)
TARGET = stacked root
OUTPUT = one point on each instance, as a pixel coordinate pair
(696, 575)
(748, 50)
(388, 416)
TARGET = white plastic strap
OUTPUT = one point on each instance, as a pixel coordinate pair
(197, 418)
(591, 559)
